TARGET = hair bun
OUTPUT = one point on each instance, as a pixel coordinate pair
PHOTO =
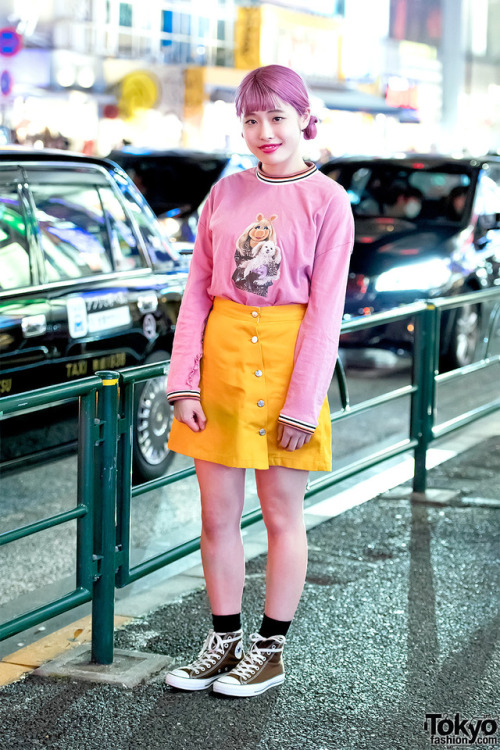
(311, 131)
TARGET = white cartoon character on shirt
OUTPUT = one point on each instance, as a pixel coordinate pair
(265, 264)
(257, 257)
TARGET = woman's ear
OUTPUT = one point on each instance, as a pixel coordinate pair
(304, 119)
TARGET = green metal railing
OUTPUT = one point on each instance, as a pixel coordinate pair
(87, 391)
(105, 491)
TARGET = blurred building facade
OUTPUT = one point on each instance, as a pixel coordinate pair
(385, 75)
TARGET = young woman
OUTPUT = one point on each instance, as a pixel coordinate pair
(254, 352)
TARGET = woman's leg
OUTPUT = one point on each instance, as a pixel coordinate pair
(222, 490)
(281, 493)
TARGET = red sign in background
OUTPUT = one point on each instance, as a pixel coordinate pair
(10, 42)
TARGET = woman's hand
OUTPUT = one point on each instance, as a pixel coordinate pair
(291, 438)
(189, 411)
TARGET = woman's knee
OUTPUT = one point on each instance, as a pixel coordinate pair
(222, 491)
(217, 521)
(278, 521)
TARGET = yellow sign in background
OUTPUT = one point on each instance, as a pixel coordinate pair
(247, 38)
(268, 34)
(138, 90)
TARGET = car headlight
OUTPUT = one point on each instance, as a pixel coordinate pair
(431, 274)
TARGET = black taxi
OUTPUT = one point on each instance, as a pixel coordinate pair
(87, 282)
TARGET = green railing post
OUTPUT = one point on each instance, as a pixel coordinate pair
(103, 601)
(85, 493)
(425, 364)
(124, 480)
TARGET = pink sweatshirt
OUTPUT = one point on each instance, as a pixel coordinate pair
(271, 241)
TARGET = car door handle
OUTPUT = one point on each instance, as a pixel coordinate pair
(34, 325)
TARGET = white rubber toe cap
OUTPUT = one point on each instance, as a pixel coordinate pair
(179, 672)
(228, 680)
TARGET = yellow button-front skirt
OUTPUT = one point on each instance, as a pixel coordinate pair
(247, 363)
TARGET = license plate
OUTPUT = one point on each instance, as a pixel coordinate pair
(114, 318)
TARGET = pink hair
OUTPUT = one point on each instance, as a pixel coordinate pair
(263, 88)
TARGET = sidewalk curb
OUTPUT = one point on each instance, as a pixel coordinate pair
(31, 657)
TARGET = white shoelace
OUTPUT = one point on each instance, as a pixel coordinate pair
(211, 650)
(255, 657)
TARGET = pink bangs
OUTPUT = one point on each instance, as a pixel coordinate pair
(255, 97)
(265, 87)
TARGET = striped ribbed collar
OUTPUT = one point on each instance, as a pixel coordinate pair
(290, 178)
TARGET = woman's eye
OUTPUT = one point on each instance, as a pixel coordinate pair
(279, 118)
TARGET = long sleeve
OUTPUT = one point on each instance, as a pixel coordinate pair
(317, 342)
(184, 375)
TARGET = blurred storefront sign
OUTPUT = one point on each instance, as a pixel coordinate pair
(138, 90)
(268, 34)
(194, 88)
(416, 21)
(125, 79)
(143, 105)
(401, 93)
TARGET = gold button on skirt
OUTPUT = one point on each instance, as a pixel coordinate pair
(247, 363)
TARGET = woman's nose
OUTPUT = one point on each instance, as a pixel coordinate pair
(266, 130)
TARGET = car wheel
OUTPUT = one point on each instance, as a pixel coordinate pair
(152, 423)
(463, 338)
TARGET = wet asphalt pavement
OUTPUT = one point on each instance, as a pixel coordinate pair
(399, 618)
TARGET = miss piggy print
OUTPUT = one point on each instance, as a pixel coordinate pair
(257, 257)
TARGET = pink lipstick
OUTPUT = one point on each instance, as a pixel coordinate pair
(270, 148)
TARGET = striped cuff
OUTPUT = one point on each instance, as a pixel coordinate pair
(174, 395)
(297, 423)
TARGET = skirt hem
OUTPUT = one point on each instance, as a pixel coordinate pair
(297, 462)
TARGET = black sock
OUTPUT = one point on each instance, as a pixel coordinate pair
(271, 627)
(227, 623)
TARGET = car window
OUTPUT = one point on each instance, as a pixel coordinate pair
(14, 253)
(435, 185)
(494, 173)
(402, 191)
(160, 251)
(487, 203)
(124, 246)
(73, 230)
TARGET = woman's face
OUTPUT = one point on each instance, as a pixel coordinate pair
(274, 137)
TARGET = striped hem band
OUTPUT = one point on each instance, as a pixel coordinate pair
(304, 426)
(183, 394)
